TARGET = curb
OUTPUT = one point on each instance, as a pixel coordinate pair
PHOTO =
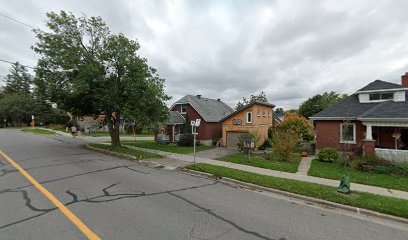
(237, 183)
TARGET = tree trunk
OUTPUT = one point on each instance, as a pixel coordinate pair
(113, 120)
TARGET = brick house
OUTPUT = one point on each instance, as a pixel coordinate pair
(372, 120)
(210, 111)
(256, 118)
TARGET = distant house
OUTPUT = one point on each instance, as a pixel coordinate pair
(256, 117)
(372, 120)
(210, 111)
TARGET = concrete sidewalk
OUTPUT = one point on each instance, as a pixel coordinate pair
(295, 176)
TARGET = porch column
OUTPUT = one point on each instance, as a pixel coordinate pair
(369, 131)
(368, 142)
(173, 138)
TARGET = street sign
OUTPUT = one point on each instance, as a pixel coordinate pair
(197, 122)
(192, 123)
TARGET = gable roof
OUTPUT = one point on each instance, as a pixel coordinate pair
(380, 85)
(175, 118)
(351, 107)
(247, 106)
(211, 110)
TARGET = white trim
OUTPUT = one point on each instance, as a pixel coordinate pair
(332, 118)
(383, 90)
(354, 133)
(246, 117)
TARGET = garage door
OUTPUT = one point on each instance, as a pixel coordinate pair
(232, 139)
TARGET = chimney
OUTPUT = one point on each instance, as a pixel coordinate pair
(218, 100)
(404, 80)
(198, 96)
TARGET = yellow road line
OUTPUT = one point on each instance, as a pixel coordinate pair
(74, 219)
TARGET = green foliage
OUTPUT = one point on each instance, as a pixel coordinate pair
(186, 140)
(215, 139)
(266, 144)
(328, 155)
(89, 71)
(18, 80)
(284, 142)
(16, 109)
(261, 97)
(320, 102)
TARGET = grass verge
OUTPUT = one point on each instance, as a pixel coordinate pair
(383, 204)
(336, 170)
(38, 131)
(102, 134)
(124, 150)
(269, 161)
(166, 148)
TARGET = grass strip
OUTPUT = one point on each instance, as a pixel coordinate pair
(38, 131)
(269, 161)
(166, 147)
(124, 150)
(383, 204)
(104, 134)
(335, 171)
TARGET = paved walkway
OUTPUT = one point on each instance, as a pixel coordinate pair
(274, 173)
(304, 165)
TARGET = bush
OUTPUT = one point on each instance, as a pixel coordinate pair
(266, 144)
(284, 142)
(328, 155)
(215, 139)
(186, 140)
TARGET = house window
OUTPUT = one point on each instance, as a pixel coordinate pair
(381, 96)
(259, 113)
(249, 117)
(348, 133)
(264, 113)
(183, 108)
(269, 114)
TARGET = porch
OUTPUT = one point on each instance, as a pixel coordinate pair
(388, 140)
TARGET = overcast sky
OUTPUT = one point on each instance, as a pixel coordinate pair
(292, 50)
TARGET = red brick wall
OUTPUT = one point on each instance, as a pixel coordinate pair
(206, 129)
(328, 135)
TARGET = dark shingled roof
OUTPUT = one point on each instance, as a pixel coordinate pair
(175, 118)
(380, 85)
(211, 110)
(352, 108)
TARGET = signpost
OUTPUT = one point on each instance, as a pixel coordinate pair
(194, 125)
(32, 121)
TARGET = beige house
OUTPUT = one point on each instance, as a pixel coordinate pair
(255, 118)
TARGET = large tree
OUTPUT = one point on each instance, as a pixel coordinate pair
(19, 80)
(261, 97)
(91, 71)
(320, 102)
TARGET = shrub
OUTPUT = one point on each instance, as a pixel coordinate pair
(186, 140)
(215, 139)
(284, 142)
(300, 125)
(328, 155)
(266, 144)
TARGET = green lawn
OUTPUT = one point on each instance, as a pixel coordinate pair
(259, 160)
(336, 170)
(165, 147)
(388, 205)
(38, 131)
(102, 134)
(124, 150)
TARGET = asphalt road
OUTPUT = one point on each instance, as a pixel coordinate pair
(120, 199)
